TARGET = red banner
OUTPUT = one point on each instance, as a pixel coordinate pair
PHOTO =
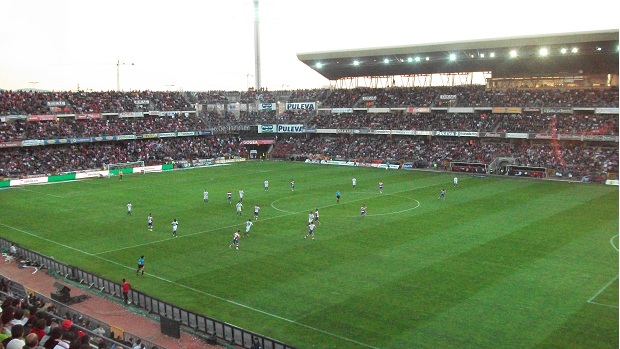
(10, 144)
(91, 116)
(45, 117)
(259, 142)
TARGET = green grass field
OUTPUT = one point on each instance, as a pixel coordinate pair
(500, 263)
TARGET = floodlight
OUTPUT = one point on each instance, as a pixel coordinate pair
(386, 61)
(574, 50)
(319, 65)
(492, 55)
(563, 50)
(543, 52)
(356, 62)
(417, 59)
(513, 54)
(453, 57)
(409, 59)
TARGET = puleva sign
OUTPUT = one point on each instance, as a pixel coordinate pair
(301, 106)
(290, 128)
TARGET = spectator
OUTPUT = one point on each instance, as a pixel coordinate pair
(38, 329)
(32, 341)
(19, 316)
(16, 341)
(53, 338)
(256, 343)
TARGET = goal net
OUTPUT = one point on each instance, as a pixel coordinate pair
(125, 167)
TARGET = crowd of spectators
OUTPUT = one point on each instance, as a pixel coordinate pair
(578, 159)
(68, 127)
(435, 121)
(586, 124)
(460, 96)
(31, 102)
(262, 96)
(39, 103)
(30, 323)
(46, 160)
(272, 117)
(16, 130)
(251, 96)
(266, 96)
(304, 95)
(470, 96)
(573, 124)
(208, 97)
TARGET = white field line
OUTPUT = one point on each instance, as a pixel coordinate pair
(357, 200)
(47, 240)
(38, 193)
(605, 305)
(601, 291)
(611, 241)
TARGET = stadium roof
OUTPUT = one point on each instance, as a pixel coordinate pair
(582, 53)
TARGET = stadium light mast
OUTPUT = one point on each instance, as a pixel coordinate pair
(247, 80)
(118, 73)
(256, 47)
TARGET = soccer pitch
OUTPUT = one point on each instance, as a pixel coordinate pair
(499, 263)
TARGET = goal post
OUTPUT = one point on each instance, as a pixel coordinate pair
(125, 167)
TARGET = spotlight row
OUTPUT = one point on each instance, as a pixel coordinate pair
(543, 52)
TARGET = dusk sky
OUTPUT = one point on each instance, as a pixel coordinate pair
(209, 45)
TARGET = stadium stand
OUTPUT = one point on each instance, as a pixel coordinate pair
(592, 158)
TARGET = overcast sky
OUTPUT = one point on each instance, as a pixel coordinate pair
(206, 45)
